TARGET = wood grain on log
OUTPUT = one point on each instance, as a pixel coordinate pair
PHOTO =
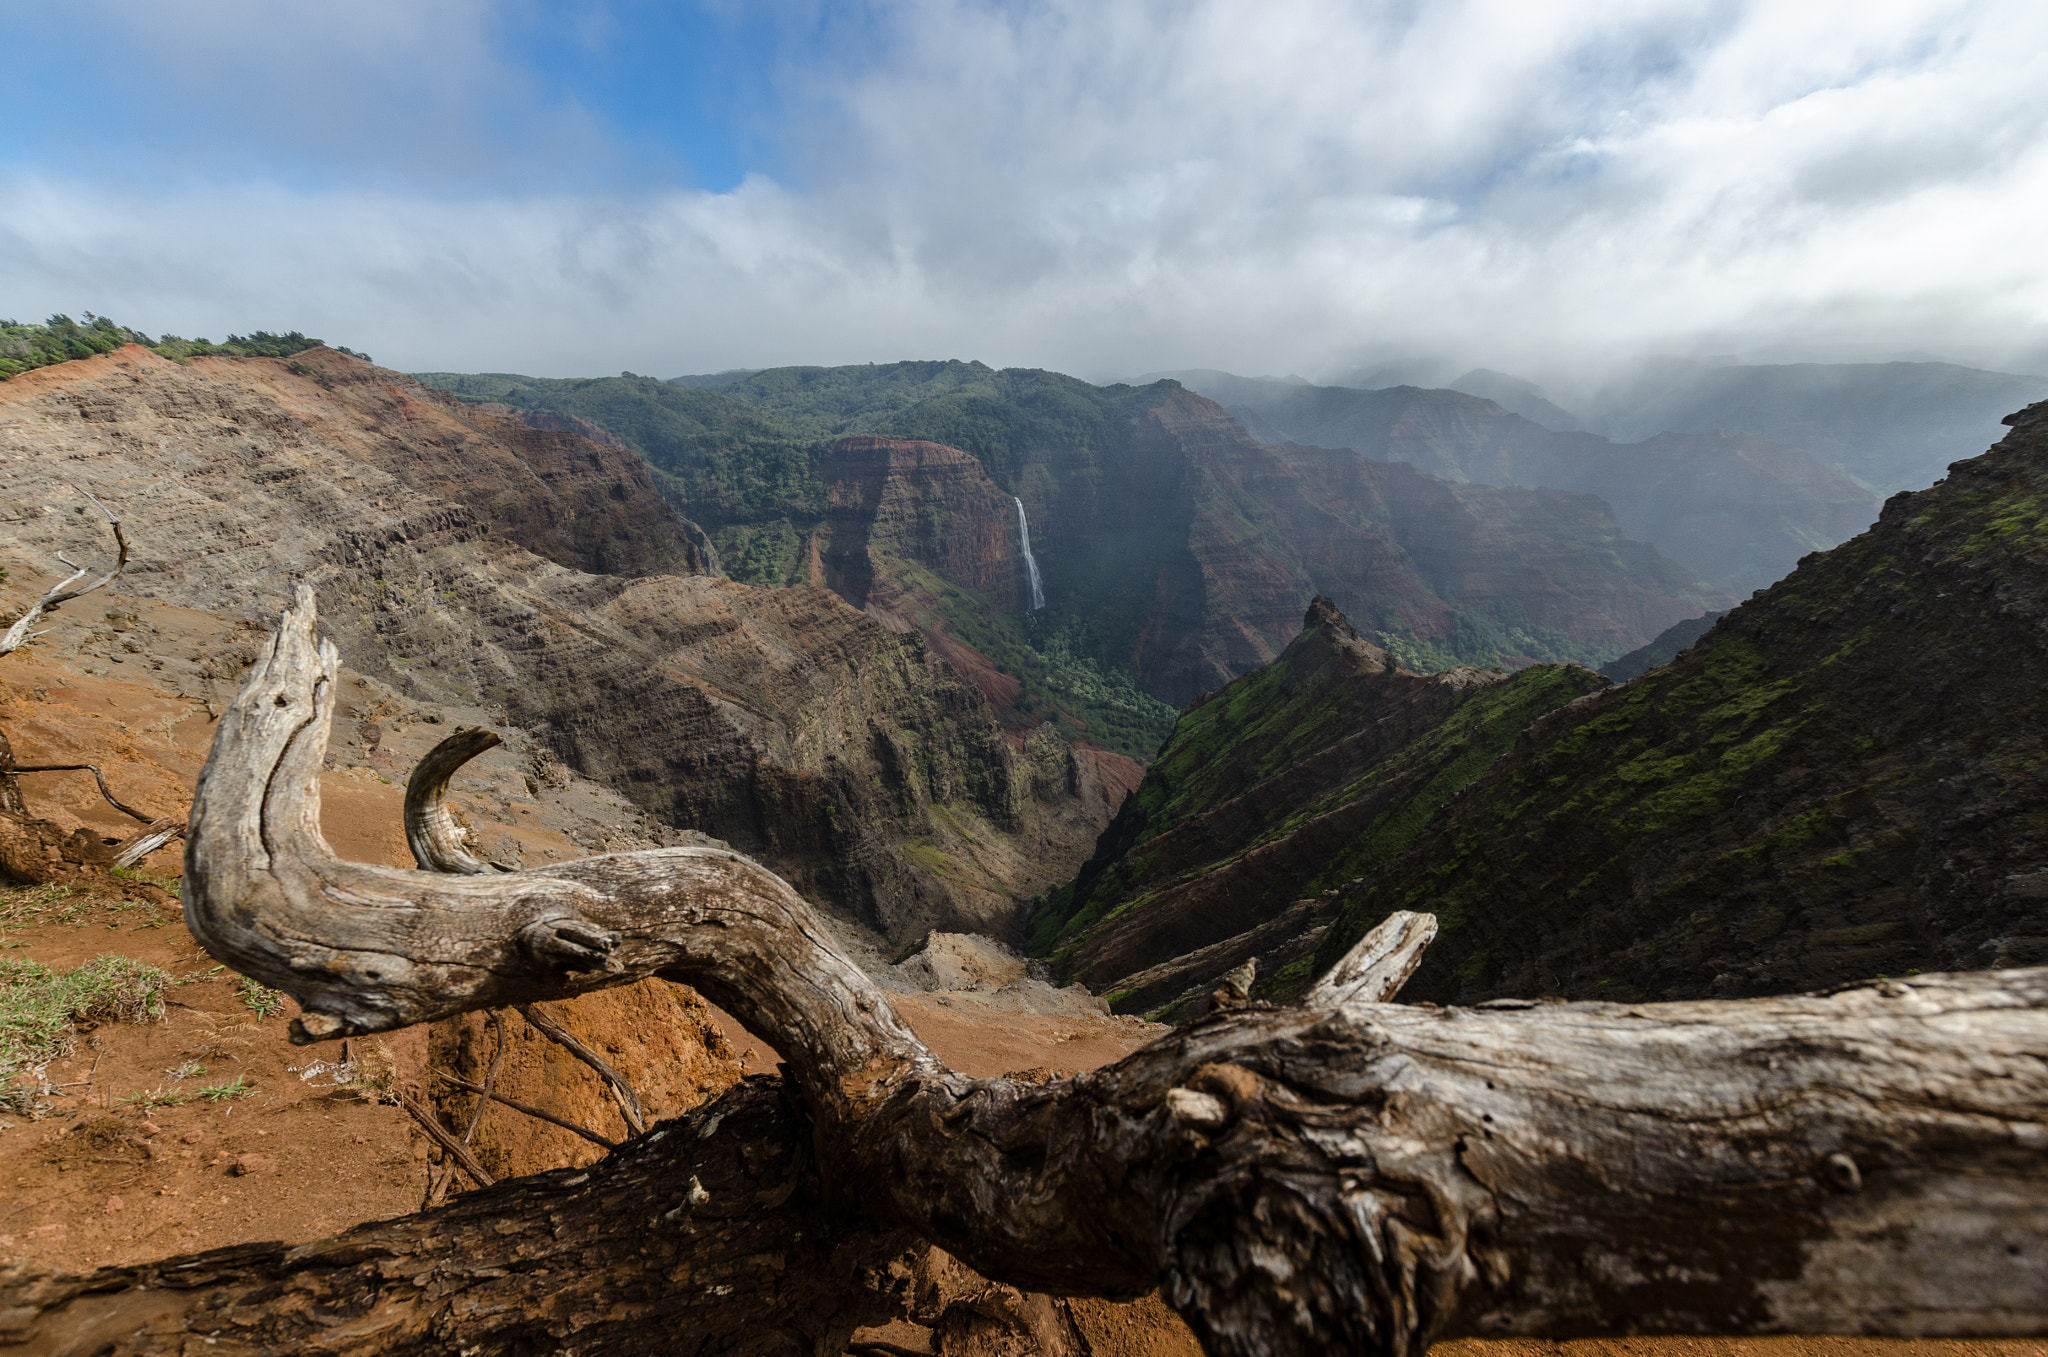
(1363, 1176)
(430, 830)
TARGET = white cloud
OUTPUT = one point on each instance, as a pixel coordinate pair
(1116, 188)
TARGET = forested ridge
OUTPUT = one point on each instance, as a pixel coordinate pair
(25, 346)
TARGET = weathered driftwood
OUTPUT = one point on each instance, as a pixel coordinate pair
(146, 840)
(1362, 1176)
(19, 634)
(430, 830)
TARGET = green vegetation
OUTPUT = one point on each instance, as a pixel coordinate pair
(1296, 739)
(59, 340)
(261, 1000)
(1789, 803)
(228, 1090)
(25, 346)
(155, 1098)
(40, 1008)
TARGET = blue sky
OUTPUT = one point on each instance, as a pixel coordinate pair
(1107, 188)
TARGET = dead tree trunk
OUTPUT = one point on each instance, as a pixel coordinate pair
(1350, 1175)
(36, 851)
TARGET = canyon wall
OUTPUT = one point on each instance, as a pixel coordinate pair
(455, 554)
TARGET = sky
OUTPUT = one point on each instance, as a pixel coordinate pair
(1101, 187)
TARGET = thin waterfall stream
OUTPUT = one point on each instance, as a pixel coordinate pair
(1030, 561)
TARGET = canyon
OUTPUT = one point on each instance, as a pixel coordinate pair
(533, 580)
(1840, 777)
(1176, 550)
(1733, 506)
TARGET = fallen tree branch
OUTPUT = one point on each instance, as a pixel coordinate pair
(457, 1151)
(621, 1091)
(147, 840)
(98, 777)
(669, 1245)
(1361, 1176)
(430, 830)
(537, 1113)
(19, 634)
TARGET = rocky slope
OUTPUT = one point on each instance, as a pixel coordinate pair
(1738, 509)
(1307, 773)
(1845, 777)
(1176, 549)
(450, 548)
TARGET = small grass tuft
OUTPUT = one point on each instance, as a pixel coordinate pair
(237, 1087)
(155, 1098)
(263, 1001)
(41, 1008)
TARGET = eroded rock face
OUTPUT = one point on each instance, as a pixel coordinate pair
(1543, 574)
(449, 548)
(906, 500)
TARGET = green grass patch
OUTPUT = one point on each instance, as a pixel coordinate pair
(41, 1008)
(228, 1090)
(157, 1097)
(263, 1001)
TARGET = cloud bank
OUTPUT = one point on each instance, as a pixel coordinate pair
(1106, 190)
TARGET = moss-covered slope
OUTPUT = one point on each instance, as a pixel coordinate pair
(1305, 773)
(1847, 776)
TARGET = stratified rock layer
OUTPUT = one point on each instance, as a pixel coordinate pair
(847, 756)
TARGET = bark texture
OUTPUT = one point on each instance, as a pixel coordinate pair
(1352, 1175)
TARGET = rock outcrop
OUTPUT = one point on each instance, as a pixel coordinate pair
(1844, 778)
(893, 501)
(453, 552)
(1304, 774)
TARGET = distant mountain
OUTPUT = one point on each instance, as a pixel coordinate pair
(536, 579)
(1176, 550)
(1892, 426)
(1845, 777)
(1663, 650)
(1739, 510)
(1518, 396)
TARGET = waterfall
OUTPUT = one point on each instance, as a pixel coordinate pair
(1030, 561)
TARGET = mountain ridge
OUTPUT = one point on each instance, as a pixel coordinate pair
(1843, 777)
